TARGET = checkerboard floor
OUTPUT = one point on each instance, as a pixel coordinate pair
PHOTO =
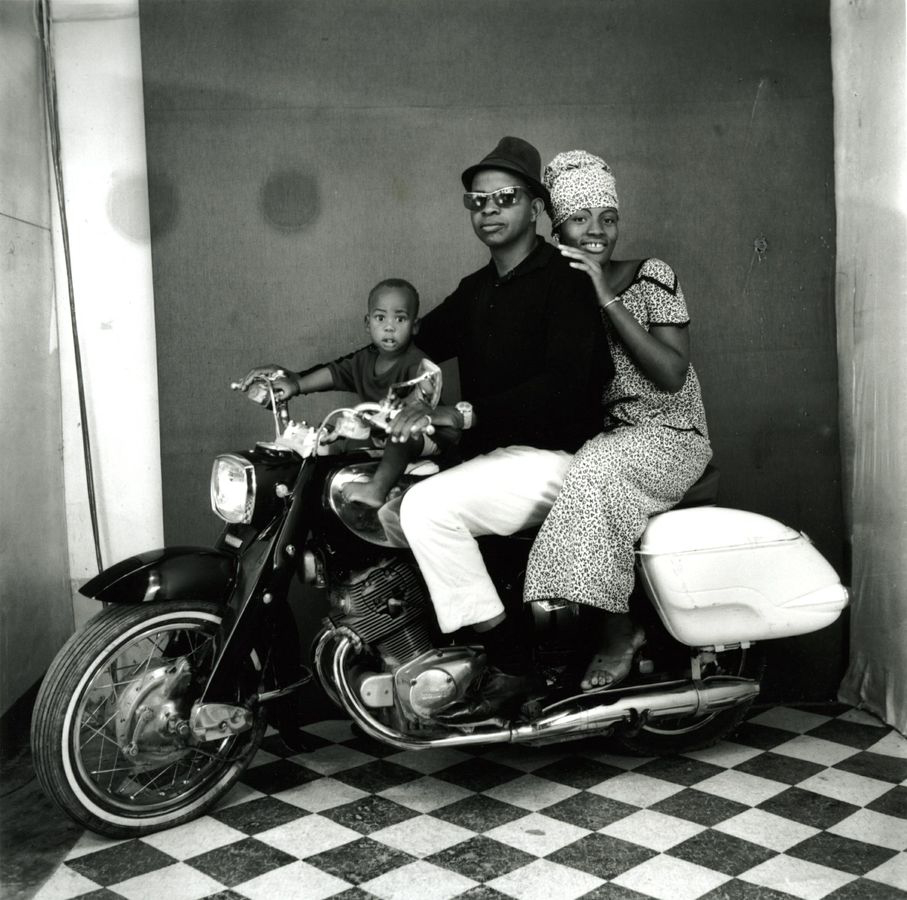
(796, 804)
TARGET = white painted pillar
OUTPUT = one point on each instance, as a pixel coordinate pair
(97, 57)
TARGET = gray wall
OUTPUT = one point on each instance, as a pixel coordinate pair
(35, 606)
(301, 151)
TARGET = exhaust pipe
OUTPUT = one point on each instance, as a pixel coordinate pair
(712, 696)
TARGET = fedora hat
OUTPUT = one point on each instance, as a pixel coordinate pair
(515, 155)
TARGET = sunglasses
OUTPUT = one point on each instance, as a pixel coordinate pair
(504, 198)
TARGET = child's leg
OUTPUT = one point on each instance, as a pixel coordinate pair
(373, 493)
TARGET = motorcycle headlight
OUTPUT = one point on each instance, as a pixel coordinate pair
(233, 488)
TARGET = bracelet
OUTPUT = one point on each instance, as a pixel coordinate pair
(606, 305)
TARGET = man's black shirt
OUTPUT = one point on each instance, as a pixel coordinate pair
(532, 353)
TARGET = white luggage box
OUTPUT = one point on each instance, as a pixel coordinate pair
(721, 576)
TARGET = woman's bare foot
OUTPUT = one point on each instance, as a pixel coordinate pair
(612, 662)
(365, 492)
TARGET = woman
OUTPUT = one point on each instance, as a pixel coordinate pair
(655, 442)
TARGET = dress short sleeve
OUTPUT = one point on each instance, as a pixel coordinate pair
(665, 302)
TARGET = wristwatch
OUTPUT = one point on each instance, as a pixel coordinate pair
(465, 410)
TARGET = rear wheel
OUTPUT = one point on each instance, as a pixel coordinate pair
(664, 737)
(110, 735)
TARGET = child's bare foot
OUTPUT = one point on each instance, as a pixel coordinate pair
(365, 492)
(612, 662)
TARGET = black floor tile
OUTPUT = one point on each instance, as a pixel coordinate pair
(578, 772)
(590, 811)
(353, 893)
(852, 734)
(679, 770)
(275, 746)
(126, 860)
(359, 861)
(104, 894)
(864, 889)
(371, 747)
(369, 814)
(894, 803)
(611, 891)
(480, 813)
(743, 890)
(699, 807)
(808, 808)
(258, 815)
(875, 765)
(281, 775)
(220, 895)
(481, 859)
(377, 776)
(482, 892)
(760, 736)
(240, 861)
(776, 767)
(721, 852)
(478, 774)
(600, 855)
(842, 853)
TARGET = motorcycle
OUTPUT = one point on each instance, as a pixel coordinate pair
(151, 712)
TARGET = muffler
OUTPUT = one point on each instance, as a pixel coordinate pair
(711, 695)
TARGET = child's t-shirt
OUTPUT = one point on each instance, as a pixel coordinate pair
(356, 372)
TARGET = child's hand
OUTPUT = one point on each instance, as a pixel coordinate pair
(284, 383)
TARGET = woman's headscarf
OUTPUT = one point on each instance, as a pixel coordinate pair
(578, 180)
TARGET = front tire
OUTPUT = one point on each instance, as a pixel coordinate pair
(111, 746)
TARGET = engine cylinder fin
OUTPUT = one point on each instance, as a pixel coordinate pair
(406, 644)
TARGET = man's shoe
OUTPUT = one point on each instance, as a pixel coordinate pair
(498, 696)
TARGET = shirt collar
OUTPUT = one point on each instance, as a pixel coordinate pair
(538, 258)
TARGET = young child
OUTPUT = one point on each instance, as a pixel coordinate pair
(392, 321)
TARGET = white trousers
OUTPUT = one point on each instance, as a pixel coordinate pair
(501, 492)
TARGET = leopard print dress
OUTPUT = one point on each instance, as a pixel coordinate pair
(654, 446)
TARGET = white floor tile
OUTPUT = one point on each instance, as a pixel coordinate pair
(789, 719)
(874, 828)
(530, 792)
(815, 750)
(65, 884)
(422, 835)
(425, 794)
(635, 788)
(262, 758)
(749, 789)
(325, 793)
(652, 829)
(332, 729)
(893, 872)
(545, 880)
(307, 836)
(766, 829)
(418, 881)
(725, 754)
(332, 758)
(428, 761)
(893, 744)
(846, 786)
(537, 834)
(178, 882)
(297, 881)
(194, 838)
(797, 876)
(668, 878)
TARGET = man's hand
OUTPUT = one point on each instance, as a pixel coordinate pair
(413, 419)
(284, 382)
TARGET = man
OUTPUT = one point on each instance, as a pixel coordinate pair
(533, 361)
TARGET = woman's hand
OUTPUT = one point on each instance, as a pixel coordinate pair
(592, 267)
(413, 419)
(284, 382)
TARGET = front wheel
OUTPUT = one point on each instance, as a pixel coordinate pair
(110, 736)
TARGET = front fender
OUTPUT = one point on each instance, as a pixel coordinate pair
(170, 573)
